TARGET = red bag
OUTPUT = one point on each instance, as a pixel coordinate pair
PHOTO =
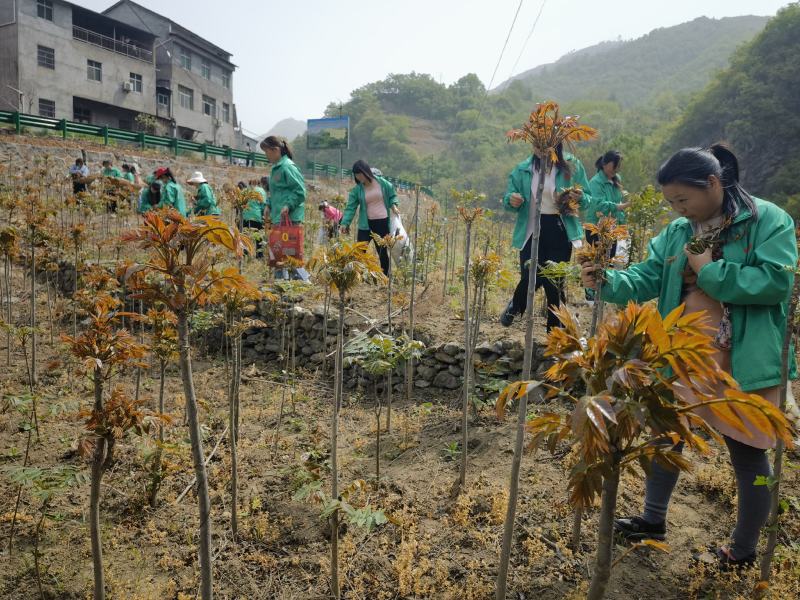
(285, 241)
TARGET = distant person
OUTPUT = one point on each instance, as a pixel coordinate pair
(607, 192)
(375, 199)
(205, 203)
(255, 210)
(78, 171)
(558, 232)
(171, 191)
(249, 152)
(287, 186)
(331, 217)
(150, 197)
(109, 170)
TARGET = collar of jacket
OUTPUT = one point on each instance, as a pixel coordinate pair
(743, 215)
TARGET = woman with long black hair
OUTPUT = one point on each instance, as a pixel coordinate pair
(742, 283)
(374, 198)
(560, 229)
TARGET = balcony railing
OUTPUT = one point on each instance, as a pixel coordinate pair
(118, 46)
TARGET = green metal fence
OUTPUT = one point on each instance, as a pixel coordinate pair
(174, 145)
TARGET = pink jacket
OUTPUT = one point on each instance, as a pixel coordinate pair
(331, 213)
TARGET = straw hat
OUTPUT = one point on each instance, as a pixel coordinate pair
(197, 177)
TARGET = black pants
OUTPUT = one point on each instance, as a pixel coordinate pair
(593, 237)
(553, 245)
(77, 187)
(378, 227)
(248, 224)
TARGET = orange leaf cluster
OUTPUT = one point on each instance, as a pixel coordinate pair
(546, 129)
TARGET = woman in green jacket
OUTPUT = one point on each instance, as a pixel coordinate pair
(171, 191)
(205, 203)
(288, 187)
(375, 199)
(560, 229)
(743, 284)
(606, 191)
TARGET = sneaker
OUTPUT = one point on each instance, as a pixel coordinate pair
(636, 529)
(507, 318)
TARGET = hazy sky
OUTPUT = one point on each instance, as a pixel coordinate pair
(295, 56)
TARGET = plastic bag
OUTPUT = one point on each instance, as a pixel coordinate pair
(285, 241)
(402, 250)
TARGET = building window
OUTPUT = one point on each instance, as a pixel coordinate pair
(136, 82)
(94, 70)
(162, 99)
(226, 112)
(209, 106)
(46, 57)
(44, 9)
(205, 68)
(47, 108)
(226, 80)
(81, 115)
(186, 97)
(186, 58)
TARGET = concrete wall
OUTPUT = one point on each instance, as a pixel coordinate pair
(170, 69)
(69, 78)
(9, 74)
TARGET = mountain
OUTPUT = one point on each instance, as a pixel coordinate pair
(288, 128)
(754, 106)
(676, 59)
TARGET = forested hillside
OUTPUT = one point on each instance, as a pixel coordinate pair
(412, 126)
(755, 106)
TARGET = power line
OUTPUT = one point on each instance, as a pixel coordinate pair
(497, 66)
(527, 39)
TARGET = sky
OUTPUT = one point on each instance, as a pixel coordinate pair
(296, 56)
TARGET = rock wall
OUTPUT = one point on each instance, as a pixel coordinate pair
(441, 365)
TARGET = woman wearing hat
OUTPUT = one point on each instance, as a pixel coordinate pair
(171, 191)
(204, 201)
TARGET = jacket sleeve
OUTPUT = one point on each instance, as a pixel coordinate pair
(391, 195)
(579, 178)
(350, 209)
(600, 201)
(513, 188)
(640, 282)
(769, 280)
(202, 202)
(296, 186)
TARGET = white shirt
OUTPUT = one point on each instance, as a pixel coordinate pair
(548, 198)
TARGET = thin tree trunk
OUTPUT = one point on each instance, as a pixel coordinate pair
(334, 518)
(157, 475)
(511, 511)
(204, 503)
(378, 408)
(410, 363)
(462, 475)
(232, 441)
(36, 538)
(7, 274)
(389, 374)
(772, 524)
(33, 306)
(98, 463)
(325, 331)
(446, 262)
(605, 546)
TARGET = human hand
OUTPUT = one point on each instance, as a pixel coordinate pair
(623, 205)
(285, 211)
(589, 277)
(516, 200)
(698, 261)
(346, 230)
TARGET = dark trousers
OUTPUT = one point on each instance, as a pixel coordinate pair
(248, 224)
(553, 246)
(77, 187)
(378, 227)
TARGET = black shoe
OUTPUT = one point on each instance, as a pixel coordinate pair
(636, 529)
(507, 318)
(722, 557)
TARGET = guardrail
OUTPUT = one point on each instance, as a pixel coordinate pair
(175, 145)
(113, 44)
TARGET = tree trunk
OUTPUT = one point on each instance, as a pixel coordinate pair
(156, 475)
(334, 518)
(410, 363)
(605, 535)
(511, 511)
(378, 407)
(772, 524)
(232, 439)
(204, 503)
(94, 497)
(33, 307)
(462, 474)
(389, 374)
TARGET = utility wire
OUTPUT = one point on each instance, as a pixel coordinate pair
(508, 37)
(527, 39)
